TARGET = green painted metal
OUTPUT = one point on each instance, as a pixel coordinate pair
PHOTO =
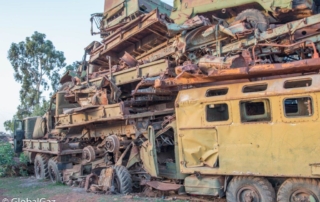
(118, 11)
(29, 123)
(206, 185)
(186, 9)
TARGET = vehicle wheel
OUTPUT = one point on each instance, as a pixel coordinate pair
(54, 173)
(122, 180)
(41, 166)
(250, 189)
(255, 18)
(298, 189)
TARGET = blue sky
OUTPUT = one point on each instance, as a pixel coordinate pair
(65, 22)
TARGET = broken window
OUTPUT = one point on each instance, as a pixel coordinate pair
(255, 88)
(298, 83)
(255, 111)
(294, 107)
(217, 92)
(217, 112)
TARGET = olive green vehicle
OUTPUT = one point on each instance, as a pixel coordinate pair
(260, 13)
(117, 13)
(271, 10)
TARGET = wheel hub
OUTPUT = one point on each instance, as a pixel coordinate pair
(112, 144)
(303, 195)
(89, 154)
(248, 194)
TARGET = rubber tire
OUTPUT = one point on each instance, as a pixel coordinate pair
(42, 160)
(124, 178)
(255, 15)
(262, 185)
(53, 164)
(292, 184)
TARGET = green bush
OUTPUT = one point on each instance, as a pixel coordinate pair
(24, 159)
(8, 166)
(6, 159)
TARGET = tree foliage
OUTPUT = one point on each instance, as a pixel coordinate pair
(8, 166)
(41, 108)
(37, 66)
(73, 67)
(8, 126)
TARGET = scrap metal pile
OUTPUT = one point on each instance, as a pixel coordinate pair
(157, 53)
(129, 80)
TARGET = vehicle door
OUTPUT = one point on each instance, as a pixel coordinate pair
(148, 154)
(18, 136)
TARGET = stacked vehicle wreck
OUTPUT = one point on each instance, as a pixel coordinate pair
(131, 116)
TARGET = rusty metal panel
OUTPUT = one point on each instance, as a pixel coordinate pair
(109, 4)
(185, 78)
(186, 9)
(106, 178)
(211, 186)
(290, 27)
(103, 113)
(131, 37)
(135, 74)
(162, 186)
(49, 147)
(275, 88)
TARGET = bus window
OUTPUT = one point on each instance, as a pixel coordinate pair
(255, 111)
(216, 92)
(217, 112)
(295, 107)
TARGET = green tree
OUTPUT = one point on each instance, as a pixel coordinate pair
(36, 65)
(73, 67)
(8, 126)
(41, 108)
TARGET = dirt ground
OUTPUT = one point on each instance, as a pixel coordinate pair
(29, 188)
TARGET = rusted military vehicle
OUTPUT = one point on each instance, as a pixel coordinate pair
(117, 13)
(245, 140)
(270, 10)
(201, 107)
(260, 13)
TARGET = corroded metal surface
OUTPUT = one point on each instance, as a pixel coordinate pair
(143, 97)
(161, 186)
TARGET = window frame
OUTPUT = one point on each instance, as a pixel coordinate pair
(253, 85)
(267, 108)
(217, 89)
(221, 103)
(297, 119)
(297, 80)
(296, 97)
(204, 121)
